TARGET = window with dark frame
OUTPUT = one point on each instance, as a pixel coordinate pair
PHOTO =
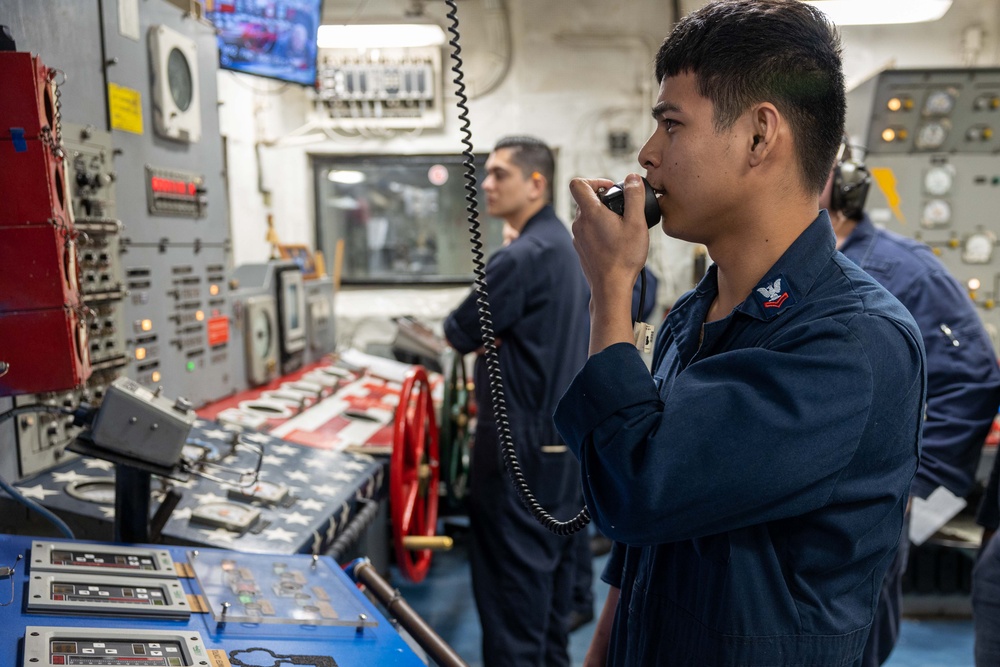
(403, 219)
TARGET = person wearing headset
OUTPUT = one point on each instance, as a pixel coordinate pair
(522, 574)
(963, 378)
(754, 479)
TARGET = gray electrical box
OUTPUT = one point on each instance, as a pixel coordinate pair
(142, 425)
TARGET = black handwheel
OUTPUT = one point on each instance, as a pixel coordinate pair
(457, 408)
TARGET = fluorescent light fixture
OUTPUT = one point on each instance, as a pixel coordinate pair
(379, 36)
(871, 12)
(346, 177)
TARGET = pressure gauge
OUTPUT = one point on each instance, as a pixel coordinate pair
(938, 180)
(939, 103)
(937, 213)
(174, 69)
(262, 347)
(978, 248)
(179, 79)
(932, 135)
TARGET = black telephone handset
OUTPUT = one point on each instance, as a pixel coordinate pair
(614, 198)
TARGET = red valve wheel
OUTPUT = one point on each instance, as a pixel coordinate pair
(414, 475)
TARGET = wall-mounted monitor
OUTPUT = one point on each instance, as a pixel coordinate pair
(270, 38)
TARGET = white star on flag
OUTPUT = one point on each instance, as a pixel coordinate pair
(279, 534)
(204, 498)
(300, 519)
(38, 492)
(298, 475)
(71, 476)
(310, 504)
(218, 535)
(99, 464)
(259, 438)
(182, 514)
(284, 449)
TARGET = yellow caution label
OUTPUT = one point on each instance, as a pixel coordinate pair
(126, 108)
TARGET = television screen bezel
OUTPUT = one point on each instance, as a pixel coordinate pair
(315, 63)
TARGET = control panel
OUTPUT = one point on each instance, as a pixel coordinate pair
(51, 646)
(101, 558)
(392, 88)
(55, 592)
(932, 142)
(97, 255)
(225, 608)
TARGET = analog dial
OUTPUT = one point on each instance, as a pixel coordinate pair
(938, 180)
(939, 102)
(932, 135)
(937, 213)
(978, 248)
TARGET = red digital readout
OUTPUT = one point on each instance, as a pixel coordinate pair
(169, 186)
(218, 330)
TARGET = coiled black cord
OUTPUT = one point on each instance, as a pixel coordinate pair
(580, 521)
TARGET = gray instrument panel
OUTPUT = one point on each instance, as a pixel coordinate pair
(932, 142)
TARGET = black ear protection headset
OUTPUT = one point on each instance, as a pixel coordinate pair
(851, 181)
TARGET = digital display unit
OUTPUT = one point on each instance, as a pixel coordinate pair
(269, 38)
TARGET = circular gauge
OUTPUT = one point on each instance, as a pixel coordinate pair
(939, 102)
(978, 248)
(937, 213)
(261, 336)
(932, 135)
(179, 79)
(99, 491)
(938, 180)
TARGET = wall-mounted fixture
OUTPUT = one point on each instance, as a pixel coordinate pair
(369, 36)
(863, 12)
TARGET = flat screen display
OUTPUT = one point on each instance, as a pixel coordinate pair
(270, 38)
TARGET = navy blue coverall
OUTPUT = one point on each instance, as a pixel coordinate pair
(521, 573)
(755, 486)
(986, 577)
(963, 387)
